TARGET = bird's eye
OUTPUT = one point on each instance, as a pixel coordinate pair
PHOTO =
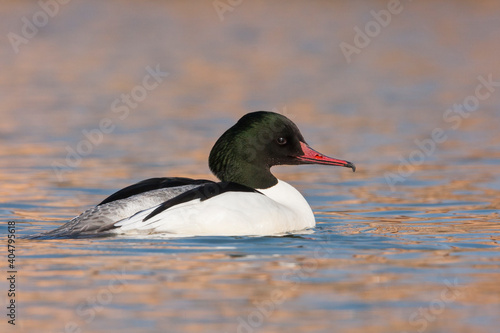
(281, 140)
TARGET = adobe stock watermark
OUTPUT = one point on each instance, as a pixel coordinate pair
(453, 116)
(48, 9)
(92, 305)
(120, 109)
(373, 28)
(223, 6)
(420, 319)
(265, 309)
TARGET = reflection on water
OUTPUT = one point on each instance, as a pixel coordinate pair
(408, 243)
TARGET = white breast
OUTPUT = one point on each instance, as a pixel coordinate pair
(280, 210)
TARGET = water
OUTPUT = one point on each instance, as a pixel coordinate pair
(408, 243)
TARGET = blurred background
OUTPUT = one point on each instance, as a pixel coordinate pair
(97, 95)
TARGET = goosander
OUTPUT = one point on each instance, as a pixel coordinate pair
(247, 201)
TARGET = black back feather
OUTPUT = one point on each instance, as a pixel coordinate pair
(153, 184)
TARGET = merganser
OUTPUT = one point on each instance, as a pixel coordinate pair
(248, 200)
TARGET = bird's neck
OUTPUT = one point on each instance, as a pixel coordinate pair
(245, 173)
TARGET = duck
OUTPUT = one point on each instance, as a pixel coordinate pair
(247, 199)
